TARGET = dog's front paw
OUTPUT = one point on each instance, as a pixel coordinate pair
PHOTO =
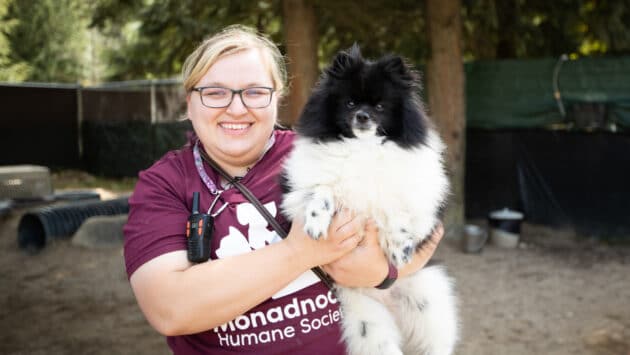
(401, 246)
(319, 213)
(401, 254)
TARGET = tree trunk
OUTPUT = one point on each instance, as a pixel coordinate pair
(300, 33)
(445, 86)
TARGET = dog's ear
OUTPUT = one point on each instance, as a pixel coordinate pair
(355, 51)
(345, 62)
(319, 118)
(411, 125)
(398, 70)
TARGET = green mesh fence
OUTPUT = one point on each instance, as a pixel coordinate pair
(520, 93)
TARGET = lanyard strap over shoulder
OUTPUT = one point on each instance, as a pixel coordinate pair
(261, 209)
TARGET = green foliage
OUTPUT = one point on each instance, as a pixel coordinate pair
(607, 22)
(71, 40)
(10, 70)
(166, 31)
(542, 28)
(378, 26)
(43, 40)
(155, 38)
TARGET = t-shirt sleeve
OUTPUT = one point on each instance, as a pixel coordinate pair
(157, 215)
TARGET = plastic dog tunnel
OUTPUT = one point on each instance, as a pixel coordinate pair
(39, 226)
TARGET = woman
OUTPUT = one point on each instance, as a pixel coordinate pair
(257, 293)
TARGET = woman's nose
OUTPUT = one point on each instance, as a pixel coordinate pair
(237, 107)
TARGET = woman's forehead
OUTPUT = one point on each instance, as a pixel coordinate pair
(240, 69)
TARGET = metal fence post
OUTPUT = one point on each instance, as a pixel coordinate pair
(80, 120)
(153, 103)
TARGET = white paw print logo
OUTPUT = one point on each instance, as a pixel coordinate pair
(235, 242)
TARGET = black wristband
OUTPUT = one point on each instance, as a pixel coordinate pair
(392, 275)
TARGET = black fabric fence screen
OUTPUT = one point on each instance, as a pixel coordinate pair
(124, 148)
(39, 125)
(554, 177)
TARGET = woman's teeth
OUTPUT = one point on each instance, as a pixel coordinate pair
(236, 126)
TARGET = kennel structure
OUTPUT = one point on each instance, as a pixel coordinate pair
(550, 137)
(547, 137)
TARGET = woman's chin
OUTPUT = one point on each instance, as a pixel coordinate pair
(239, 150)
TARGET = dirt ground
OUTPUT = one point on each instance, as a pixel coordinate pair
(552, 295)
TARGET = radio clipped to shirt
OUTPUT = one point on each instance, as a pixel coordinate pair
(199, 230)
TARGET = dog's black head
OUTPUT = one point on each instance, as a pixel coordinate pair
(358, 98)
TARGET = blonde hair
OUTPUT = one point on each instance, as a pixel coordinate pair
(233, 39)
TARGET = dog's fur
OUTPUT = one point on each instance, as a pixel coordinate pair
(365, 143)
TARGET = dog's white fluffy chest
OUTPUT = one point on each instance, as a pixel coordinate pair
(399, 188)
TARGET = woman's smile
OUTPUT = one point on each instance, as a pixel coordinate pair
(236, 127)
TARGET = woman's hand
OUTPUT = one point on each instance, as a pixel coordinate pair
(343, 236)
(367, 266)
(424, 254)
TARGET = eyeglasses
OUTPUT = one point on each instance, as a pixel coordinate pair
(220, 97)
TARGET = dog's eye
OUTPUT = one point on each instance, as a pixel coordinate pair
(350, 104)
(379, 107)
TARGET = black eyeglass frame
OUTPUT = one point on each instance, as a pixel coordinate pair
(199, 89)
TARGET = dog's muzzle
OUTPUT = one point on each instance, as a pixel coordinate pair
(362, 120)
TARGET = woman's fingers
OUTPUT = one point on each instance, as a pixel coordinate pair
(434, 239)
(345, 225)
(426, 249)
(371, 232)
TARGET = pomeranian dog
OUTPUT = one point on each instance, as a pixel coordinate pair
(365, 143)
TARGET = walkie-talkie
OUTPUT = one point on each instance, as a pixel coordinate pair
(198, 232)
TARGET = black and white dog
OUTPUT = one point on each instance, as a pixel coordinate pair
(365, 143)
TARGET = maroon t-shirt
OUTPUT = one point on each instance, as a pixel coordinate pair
(302, 318)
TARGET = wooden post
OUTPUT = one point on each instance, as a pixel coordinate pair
(300, 32)
(445, 86)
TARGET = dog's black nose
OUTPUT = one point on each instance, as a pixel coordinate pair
(362, 116)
